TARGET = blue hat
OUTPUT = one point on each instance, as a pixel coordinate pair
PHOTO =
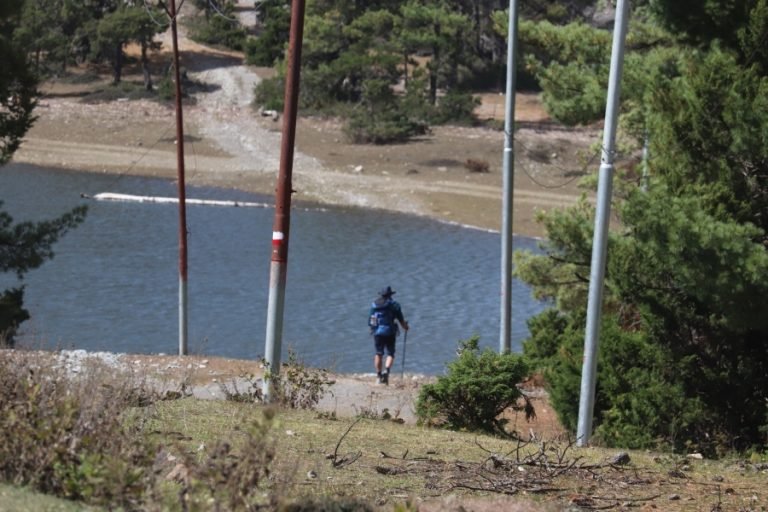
(387, 292)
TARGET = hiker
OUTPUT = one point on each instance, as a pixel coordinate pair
(383, 318)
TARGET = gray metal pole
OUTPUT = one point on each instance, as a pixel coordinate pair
(281, 227)
(508, 171)
(600, 239)
(183, 267)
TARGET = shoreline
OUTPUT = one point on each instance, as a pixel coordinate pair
(207, 377)
(451, 201)
(230, 145)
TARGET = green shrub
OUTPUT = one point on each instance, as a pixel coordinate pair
(639, 400)
(269, 94)
(165, 88)
(477, 388)
(295, 387)
(381, 118)
(385, 128)
(218, 30)
(270, 45)
(71, 436)
(298, 386)
(12, 314)
(456, 107)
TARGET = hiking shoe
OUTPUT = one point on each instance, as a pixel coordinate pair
(385, 379)
(379, 379)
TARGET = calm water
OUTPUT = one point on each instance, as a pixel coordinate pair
(113, 284)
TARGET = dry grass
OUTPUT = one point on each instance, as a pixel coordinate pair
(237, 456)
(388, 463)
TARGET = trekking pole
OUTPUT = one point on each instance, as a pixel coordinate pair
(405, 338)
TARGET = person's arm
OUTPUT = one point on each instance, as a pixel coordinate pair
(399, 317)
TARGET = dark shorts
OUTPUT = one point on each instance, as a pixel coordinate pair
(384, 343)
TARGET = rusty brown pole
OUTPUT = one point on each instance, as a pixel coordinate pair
(281, 227)
(183, 269)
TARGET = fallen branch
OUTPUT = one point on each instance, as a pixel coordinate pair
(349, 459)
(626, 500)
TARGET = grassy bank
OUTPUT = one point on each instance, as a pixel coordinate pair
(173, 452)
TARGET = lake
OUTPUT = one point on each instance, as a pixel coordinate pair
(113, 284)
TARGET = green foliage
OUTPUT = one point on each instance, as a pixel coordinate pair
(54, 32)
(23, 247)
(685, 275)
(381, 118)
(738, 26)
(456, 107)
(387, 128)
(26, 245)
(219, 28)
(710, 127)
(683, 320)
(12, 314)
(571, 64)
(66, 440)
(440, 30)
(166, 89)
(639, 403)
(17, 85)
(352, 52)
(270, 94)
(562, 275)
(296, 386)
(123, 24)
(271, 42)
(477, 388)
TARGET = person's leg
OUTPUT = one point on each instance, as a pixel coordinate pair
(390, 347)
(379, 348)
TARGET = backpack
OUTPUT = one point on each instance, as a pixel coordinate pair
(382, 320)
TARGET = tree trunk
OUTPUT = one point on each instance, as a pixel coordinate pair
(145, 67)
(118, 65)
(405, 70)
(435, 69)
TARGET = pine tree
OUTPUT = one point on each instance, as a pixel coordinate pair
(23, 246)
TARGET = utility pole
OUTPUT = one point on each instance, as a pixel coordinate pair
(508, 171)
(600, 238)
(281, 227)
(183, 268)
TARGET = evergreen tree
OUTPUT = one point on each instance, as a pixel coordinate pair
(23, 246)
(269, 46)
(17, 84)
(433, 27)
(683, 351)
(123, 23)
